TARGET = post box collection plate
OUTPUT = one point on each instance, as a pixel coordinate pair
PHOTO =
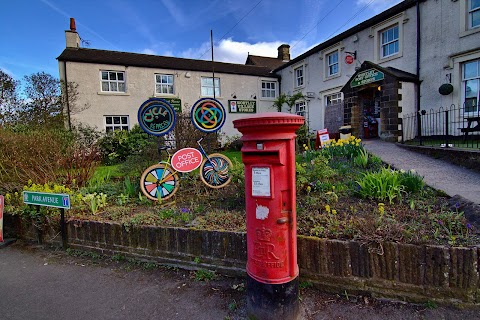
(261, 186)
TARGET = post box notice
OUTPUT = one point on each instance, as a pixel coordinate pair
(261, 182)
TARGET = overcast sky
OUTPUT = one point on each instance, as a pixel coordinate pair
(32, 31)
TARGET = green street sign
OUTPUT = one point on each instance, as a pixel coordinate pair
(175, 102)
(367, 76)
(47, 199)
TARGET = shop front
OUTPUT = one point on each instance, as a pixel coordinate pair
(375, 99)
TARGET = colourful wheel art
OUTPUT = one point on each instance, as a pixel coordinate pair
(215, 171)
(156, 117)
(159, 182)
(208, 115)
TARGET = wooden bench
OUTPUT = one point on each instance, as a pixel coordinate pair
(469, 128)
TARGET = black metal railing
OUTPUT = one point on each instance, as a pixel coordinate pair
(444, 127)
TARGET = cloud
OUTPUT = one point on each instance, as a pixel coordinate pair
(231, 51)
(175, 12)
(148, 51)
(378, 5)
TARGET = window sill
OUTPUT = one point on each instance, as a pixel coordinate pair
(389, 58)
(468, 32)
(332, 77)
(109, 93)
(164, 95)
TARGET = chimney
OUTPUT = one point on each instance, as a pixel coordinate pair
(71, 36)
(284, 52)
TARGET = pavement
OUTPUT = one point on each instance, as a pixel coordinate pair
(41, 283)
(439, 174)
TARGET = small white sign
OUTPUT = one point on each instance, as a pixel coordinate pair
(261, 182)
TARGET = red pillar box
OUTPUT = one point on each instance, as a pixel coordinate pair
(268, 153)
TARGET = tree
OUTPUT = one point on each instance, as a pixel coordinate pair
(287, 99)
(8, 99)
(69, 101)
(44, 103)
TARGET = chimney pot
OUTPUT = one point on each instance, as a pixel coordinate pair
(72, 24)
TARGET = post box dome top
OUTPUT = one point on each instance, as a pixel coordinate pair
(269, 123)
(269, 118)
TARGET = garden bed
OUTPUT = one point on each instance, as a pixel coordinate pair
(342, 193)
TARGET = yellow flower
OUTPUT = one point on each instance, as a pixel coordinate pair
(306, 148)
(309, 189)
(334, 211)
(327, 208)
(381, 208)
(304, 145)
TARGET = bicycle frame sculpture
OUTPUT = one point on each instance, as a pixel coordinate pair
(161, 181)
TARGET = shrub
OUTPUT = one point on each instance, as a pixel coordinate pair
(116, 146)
(412, 181)
(44, 155)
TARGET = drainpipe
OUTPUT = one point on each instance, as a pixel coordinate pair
(419, 125)
(66, 95)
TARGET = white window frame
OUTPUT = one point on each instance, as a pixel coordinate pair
(337, 97)
(464, 86)
(299, 77)
(332, 64)
(268, 93)
(376, 33)
(113, 82)
(301, 108)
(168, 86)
(215, 86)
(470, 14)
(122, 125)
(466, 19)
(388, 44)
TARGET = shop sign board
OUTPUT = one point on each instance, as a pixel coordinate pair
(367, 76)
(242, 106)
(176, 104)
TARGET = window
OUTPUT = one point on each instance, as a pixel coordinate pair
(332, 63)
(208, 87)
(473, 13)
(164, 84)
(116, 123)
(298, 76)
(113, 81)
(389, 42)
(269, 89)
(300, 108)
(471, 79)
(332, 99)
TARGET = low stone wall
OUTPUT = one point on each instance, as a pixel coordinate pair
(396, 271)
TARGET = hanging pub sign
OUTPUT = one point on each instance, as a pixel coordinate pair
(367, 76)
(242, 106)
(176, 103)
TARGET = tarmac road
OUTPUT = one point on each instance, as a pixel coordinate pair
(37, 284)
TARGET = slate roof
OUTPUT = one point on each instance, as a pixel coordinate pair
(87, 55)
(402, 6)
(271, 63)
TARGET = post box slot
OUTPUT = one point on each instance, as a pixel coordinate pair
(271, 157)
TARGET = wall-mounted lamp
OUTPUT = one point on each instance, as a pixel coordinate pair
(234, 95)
(187, 75)
(253, 96)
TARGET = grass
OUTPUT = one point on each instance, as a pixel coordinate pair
(107, 172)
(233, 155)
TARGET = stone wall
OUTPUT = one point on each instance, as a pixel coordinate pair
(390, 270)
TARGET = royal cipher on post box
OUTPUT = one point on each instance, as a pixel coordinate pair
(268, 153)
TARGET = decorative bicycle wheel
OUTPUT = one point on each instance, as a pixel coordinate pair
(159, 182)
(208, 115)
(215, 171)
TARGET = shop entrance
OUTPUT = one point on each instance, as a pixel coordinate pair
(369, 99)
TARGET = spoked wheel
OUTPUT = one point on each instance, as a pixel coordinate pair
(215, 171)
(159, 182)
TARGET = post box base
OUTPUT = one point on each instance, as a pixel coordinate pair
(272, 301)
